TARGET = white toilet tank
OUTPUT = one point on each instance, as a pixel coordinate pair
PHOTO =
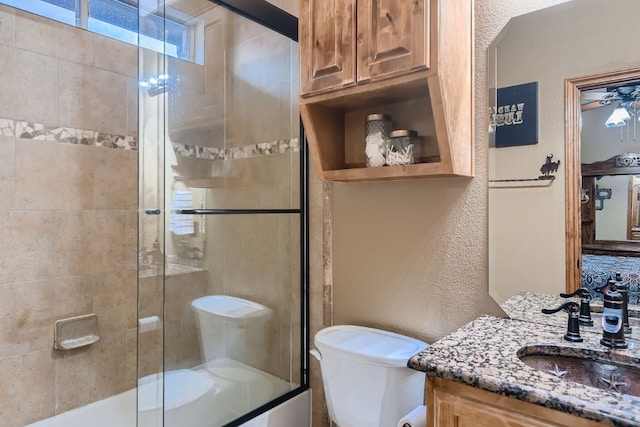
(365, 375)
(232, 328)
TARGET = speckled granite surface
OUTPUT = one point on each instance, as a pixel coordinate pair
(528, 306)
(484, 354)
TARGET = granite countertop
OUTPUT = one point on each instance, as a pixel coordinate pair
(528, 306)
(483, 354)
(168, 269)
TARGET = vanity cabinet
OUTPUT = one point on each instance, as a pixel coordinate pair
(410, 59)
(451, 404)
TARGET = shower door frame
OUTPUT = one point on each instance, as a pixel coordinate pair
(279, 21)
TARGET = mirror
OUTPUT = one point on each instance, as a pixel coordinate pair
(534, 224)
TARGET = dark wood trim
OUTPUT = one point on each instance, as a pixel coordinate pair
(612, 247)
(608, 167)
(265, 14)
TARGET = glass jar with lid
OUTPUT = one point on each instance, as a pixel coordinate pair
(376, 131)
(403, 147)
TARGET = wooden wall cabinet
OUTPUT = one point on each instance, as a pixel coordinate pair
(327, 45)
(411, 59)
(451, 404)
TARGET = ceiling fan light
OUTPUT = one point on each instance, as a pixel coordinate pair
(618, 117)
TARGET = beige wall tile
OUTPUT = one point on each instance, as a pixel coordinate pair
(114, 300)
(73, 240)
(28, 246)
(7, 171)
(7, 73)
(180, 290)
(150, 352)
(267, 182)
(115, 179)
(114, 55)
(133, 91)
(91, 98)
(29, 86)
(131, 358)
(99, 369)
(29, 382)
(53, 175)
(150, 293)
(172, 352)
(50, 38)
(30, 309)
(7, 26)
(9, 404)
(190, 342)
(108, 235)
(290, 6)
(90, 242)
(131, 240)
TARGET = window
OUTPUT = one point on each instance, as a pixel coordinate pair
(172, 34)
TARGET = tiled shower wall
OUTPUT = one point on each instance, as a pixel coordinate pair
(68, 198)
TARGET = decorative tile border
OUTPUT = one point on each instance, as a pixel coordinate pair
(280, 146)
(66, 135)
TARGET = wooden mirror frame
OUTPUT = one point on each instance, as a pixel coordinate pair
(613, 166)
(572, 153)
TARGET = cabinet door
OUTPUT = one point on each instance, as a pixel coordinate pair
(456, 411)
(393, 37)
(452, 404)
(327, 45)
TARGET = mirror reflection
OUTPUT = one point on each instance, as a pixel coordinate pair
(534, 245)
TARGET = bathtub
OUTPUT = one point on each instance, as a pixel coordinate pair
(118, 410)
(121, 411)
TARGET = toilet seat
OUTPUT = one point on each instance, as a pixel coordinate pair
(183, 398)
(174, 389)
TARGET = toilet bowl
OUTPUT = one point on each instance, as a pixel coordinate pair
(365, 376)
(180, 398)
(232, 328)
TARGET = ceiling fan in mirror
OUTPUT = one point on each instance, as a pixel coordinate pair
(625, 97)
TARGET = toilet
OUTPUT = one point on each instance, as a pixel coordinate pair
(365, 375)
(232, 328)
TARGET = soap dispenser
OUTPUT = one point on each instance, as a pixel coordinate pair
(624, 290)
(612, 318)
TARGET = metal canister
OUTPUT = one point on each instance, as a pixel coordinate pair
(376, 131)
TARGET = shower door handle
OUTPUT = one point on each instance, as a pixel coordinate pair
(153, 211)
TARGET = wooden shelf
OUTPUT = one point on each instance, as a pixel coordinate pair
(436, 100)
(418, 170)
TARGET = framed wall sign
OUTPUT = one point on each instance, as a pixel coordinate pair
(515, 117)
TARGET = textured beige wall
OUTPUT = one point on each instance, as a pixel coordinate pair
(67, 218)
(411, 256)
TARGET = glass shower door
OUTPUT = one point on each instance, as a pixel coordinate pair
(223, 229)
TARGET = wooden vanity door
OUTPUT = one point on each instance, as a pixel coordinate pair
(393, 37)
(451, 404)
(327, 45)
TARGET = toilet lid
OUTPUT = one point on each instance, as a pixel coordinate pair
(374, 346)
(230, 307)
(181, 387)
